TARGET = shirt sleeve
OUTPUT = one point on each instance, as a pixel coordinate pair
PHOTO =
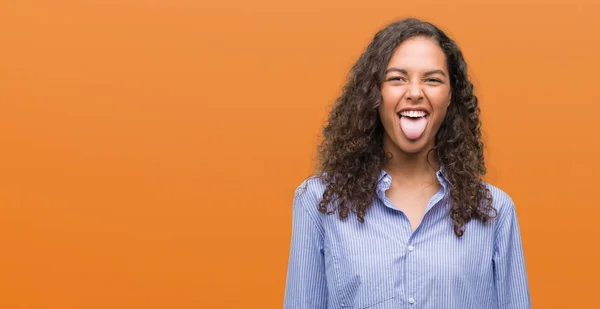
(509, 263)
(306, 285)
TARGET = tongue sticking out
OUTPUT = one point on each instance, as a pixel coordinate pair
(413, 127)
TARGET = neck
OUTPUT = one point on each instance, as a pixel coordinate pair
(412, 169)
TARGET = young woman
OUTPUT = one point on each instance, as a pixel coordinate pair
(397, 215)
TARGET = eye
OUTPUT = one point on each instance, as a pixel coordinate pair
(399, 78)
(433, 80)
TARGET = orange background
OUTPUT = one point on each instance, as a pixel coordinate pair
(150, 149)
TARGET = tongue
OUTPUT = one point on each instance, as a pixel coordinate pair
(413, 127)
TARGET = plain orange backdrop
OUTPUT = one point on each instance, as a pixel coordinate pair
(149, 150)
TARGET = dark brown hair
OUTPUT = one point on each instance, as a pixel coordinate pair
(351, 155)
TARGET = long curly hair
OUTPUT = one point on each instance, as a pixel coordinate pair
(351, 154)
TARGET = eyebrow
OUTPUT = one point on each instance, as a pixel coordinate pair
(403, 71)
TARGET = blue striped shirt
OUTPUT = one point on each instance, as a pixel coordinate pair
(382, 263)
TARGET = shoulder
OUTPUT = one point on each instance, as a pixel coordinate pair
(500, 199)
(308, 194)
(310, 188)
(503, 203)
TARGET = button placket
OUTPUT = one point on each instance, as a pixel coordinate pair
(411, 271)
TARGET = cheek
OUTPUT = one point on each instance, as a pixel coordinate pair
(391, 95)
(438, 119)
(389, 100)
(439, 98)
(385, 114)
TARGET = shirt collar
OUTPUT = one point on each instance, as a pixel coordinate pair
(385, 180)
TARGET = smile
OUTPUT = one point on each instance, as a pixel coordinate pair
(413, 113)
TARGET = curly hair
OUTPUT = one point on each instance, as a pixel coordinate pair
(351, 154)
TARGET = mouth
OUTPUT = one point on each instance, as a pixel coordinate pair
(414, 114)
(413, 123)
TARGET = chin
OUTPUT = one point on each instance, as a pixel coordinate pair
(413, 147)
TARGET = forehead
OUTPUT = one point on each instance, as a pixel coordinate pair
(418, 54)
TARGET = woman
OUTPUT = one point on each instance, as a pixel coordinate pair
(398, 215)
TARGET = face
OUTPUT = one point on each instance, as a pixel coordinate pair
(416, 94)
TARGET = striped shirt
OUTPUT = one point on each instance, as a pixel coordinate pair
(382, 263)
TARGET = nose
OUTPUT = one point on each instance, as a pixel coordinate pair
(414, 92)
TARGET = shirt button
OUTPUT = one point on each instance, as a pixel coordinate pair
(386, 180)
(411, 300)
(411, 248)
